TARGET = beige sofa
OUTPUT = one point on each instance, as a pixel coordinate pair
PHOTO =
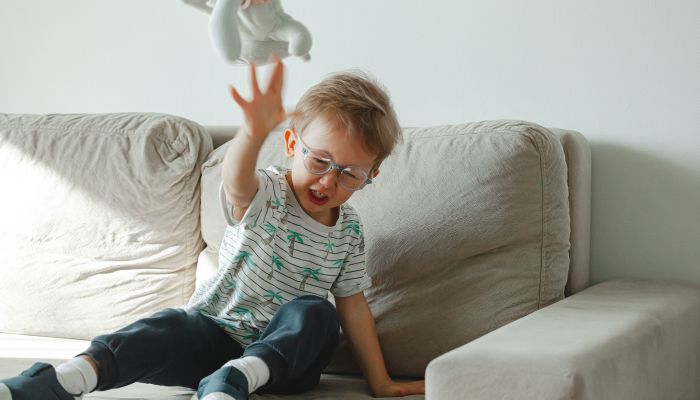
(477, 243)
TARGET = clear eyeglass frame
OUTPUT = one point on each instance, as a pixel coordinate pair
(319, 162)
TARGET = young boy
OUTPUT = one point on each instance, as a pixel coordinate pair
(262, 322)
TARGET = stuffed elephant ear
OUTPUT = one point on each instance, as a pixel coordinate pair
(244, 32)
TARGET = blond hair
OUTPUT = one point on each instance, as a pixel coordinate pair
(356, 103)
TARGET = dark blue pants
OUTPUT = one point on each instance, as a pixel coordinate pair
(175, 347)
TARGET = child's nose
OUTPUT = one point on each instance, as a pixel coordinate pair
(328, 180)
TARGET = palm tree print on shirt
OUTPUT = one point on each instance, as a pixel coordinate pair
(253, 217)
(215, 299)
(276, 263)
(243, 256)
(229, 287)
(230, 283)
(271, 230)
(309, 272)
(294, 237)
(244, 314)
(274, 204)
(340, 264)
(329, 247)
(252, 334)
(271, 297)
(226, 324)
(284, 209)
(354, 227)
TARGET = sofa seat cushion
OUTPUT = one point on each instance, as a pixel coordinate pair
(100, 219)
(467, 229)
(18, 352)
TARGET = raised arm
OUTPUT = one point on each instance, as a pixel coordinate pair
(261, 114)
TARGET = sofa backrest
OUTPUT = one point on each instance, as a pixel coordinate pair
(99, 219)
(577, 154)
(468, 228)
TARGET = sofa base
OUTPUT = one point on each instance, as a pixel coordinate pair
(617, 340)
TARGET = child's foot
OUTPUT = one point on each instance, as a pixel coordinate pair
(224, 381)
(38, 382)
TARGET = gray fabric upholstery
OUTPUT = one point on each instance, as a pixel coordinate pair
(631, 340)
(102, 224)
(578, 161)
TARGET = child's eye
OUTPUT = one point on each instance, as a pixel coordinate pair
(350, 175)
(320, 162)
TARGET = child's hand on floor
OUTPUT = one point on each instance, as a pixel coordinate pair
(264, 111)
(398, 389)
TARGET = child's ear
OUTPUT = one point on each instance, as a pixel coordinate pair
(290, 142)
(375, 173)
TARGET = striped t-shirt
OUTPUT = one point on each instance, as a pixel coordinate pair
(277, 253)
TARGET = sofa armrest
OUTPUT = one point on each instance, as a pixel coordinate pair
(616, 340)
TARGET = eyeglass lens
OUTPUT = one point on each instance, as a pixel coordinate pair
(351, 178)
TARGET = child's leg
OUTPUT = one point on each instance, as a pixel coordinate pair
(296, 346)
(173, 347)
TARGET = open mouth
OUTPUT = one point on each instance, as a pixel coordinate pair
(318, 198)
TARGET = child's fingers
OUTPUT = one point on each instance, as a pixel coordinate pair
(254, 80)
(237, 97)
(277, 79)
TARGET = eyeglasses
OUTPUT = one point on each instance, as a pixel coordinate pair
(319, 162)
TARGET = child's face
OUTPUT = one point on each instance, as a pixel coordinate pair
(320, 195)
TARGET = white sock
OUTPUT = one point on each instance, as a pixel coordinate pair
(217, 396)
(255, 370)
(77, 376)
(5, 392)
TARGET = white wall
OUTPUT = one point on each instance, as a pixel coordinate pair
(625, 73)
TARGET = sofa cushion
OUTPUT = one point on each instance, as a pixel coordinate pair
(100, 219)
(467, 229)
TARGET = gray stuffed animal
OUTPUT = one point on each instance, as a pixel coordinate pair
(250, 31)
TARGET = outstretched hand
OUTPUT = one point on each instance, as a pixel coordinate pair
(264, 111)
(398, 389)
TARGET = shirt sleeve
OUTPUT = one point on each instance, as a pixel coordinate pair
(353, 277)
(266, 191)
